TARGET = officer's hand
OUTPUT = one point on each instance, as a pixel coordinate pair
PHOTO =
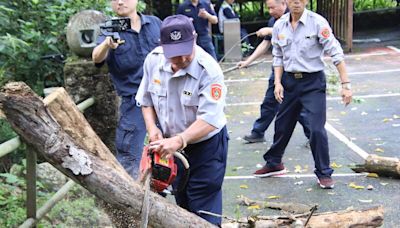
(109, 42)
(264, 32)
(203, 13)
(346, 96)
(242, 64)
(167, 147)
(155, 134)
(278, 92)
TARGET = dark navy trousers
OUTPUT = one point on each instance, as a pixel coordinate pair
(130, 135)
(268, 110)
(308, 93)
(205, 42)
(207, 161)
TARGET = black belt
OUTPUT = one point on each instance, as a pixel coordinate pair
(300, 75)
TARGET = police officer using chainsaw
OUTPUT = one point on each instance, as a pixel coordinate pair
(183, 90)
(300, 39)
(125, 59)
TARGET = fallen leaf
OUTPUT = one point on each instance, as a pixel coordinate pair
(331, 193)
(387, 120)
(396, 116)
(342, 113)
(335, 166)
(247, 113)
(298, 169)
(241, 122)
(364, 113)
(254, 207)
(227, 116)
(374, 175)
(273, 197)
(353, 185)
(259, 166)
(354, 108)
(244, 186)
(384, 184)
(395, 125)
(242, 73)
(257, 151)
(237, 168)
(308, 189)
(365, 201)
(299, 183)
(379, 150)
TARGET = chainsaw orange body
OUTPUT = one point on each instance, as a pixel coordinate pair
(163, 171)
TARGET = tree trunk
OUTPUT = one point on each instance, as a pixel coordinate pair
(96, 170)
(383, 166)
(372, 217)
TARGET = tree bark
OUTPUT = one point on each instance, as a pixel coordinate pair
(372, 217)
(96, 170)
(383, 166)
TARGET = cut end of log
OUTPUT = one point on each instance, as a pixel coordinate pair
(54, 95)
(18, 88)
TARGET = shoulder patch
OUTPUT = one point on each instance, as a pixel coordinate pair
(325, 33)
(216, 91)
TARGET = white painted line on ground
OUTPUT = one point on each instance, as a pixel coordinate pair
(374, 72)
(328, 98)
(350, 73)
(394, 48)
(295, 176)
(366, 96)
(346, 141)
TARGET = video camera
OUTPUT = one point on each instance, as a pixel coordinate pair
(113, 26)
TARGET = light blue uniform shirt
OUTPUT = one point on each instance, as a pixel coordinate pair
(302, 50)
(196, 92)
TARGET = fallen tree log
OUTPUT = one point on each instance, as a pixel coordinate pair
(372, 217)
(383, 166)
(294, 208)
(95, 170)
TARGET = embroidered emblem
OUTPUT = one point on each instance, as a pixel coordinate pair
(187, 93)
(216, 91)
(175, 35)
(157, 81)
(281, 37)
(325, 33)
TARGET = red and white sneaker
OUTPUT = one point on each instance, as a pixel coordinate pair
(267, 171)
(326, 182)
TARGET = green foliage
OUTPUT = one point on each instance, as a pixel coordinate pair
(362, 5)
(31, 29)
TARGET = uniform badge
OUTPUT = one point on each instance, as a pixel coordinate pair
(216, 91)
(281, 37)
(187, 10)
(325, 33)
(175, 35)
(157, 81)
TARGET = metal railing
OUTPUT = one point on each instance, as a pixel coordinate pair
(33, 215)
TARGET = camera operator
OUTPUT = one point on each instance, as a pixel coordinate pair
(125, 59)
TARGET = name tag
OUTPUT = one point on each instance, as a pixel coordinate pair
(187, 10)
(311, 37)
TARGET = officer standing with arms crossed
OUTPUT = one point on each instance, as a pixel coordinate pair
(300, 40)
(269, 106)
(183, 89)
(125, 64)
(201, 13)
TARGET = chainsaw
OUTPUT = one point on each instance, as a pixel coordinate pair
(163, 171)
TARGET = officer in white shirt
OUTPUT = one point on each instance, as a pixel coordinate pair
(183, 90)
(300, 40)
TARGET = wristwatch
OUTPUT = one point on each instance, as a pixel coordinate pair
(346, 85)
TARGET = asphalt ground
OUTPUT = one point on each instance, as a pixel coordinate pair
(370, 125)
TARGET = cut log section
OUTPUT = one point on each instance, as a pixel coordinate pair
(372, 217)
(383, 166)
(96, 170)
